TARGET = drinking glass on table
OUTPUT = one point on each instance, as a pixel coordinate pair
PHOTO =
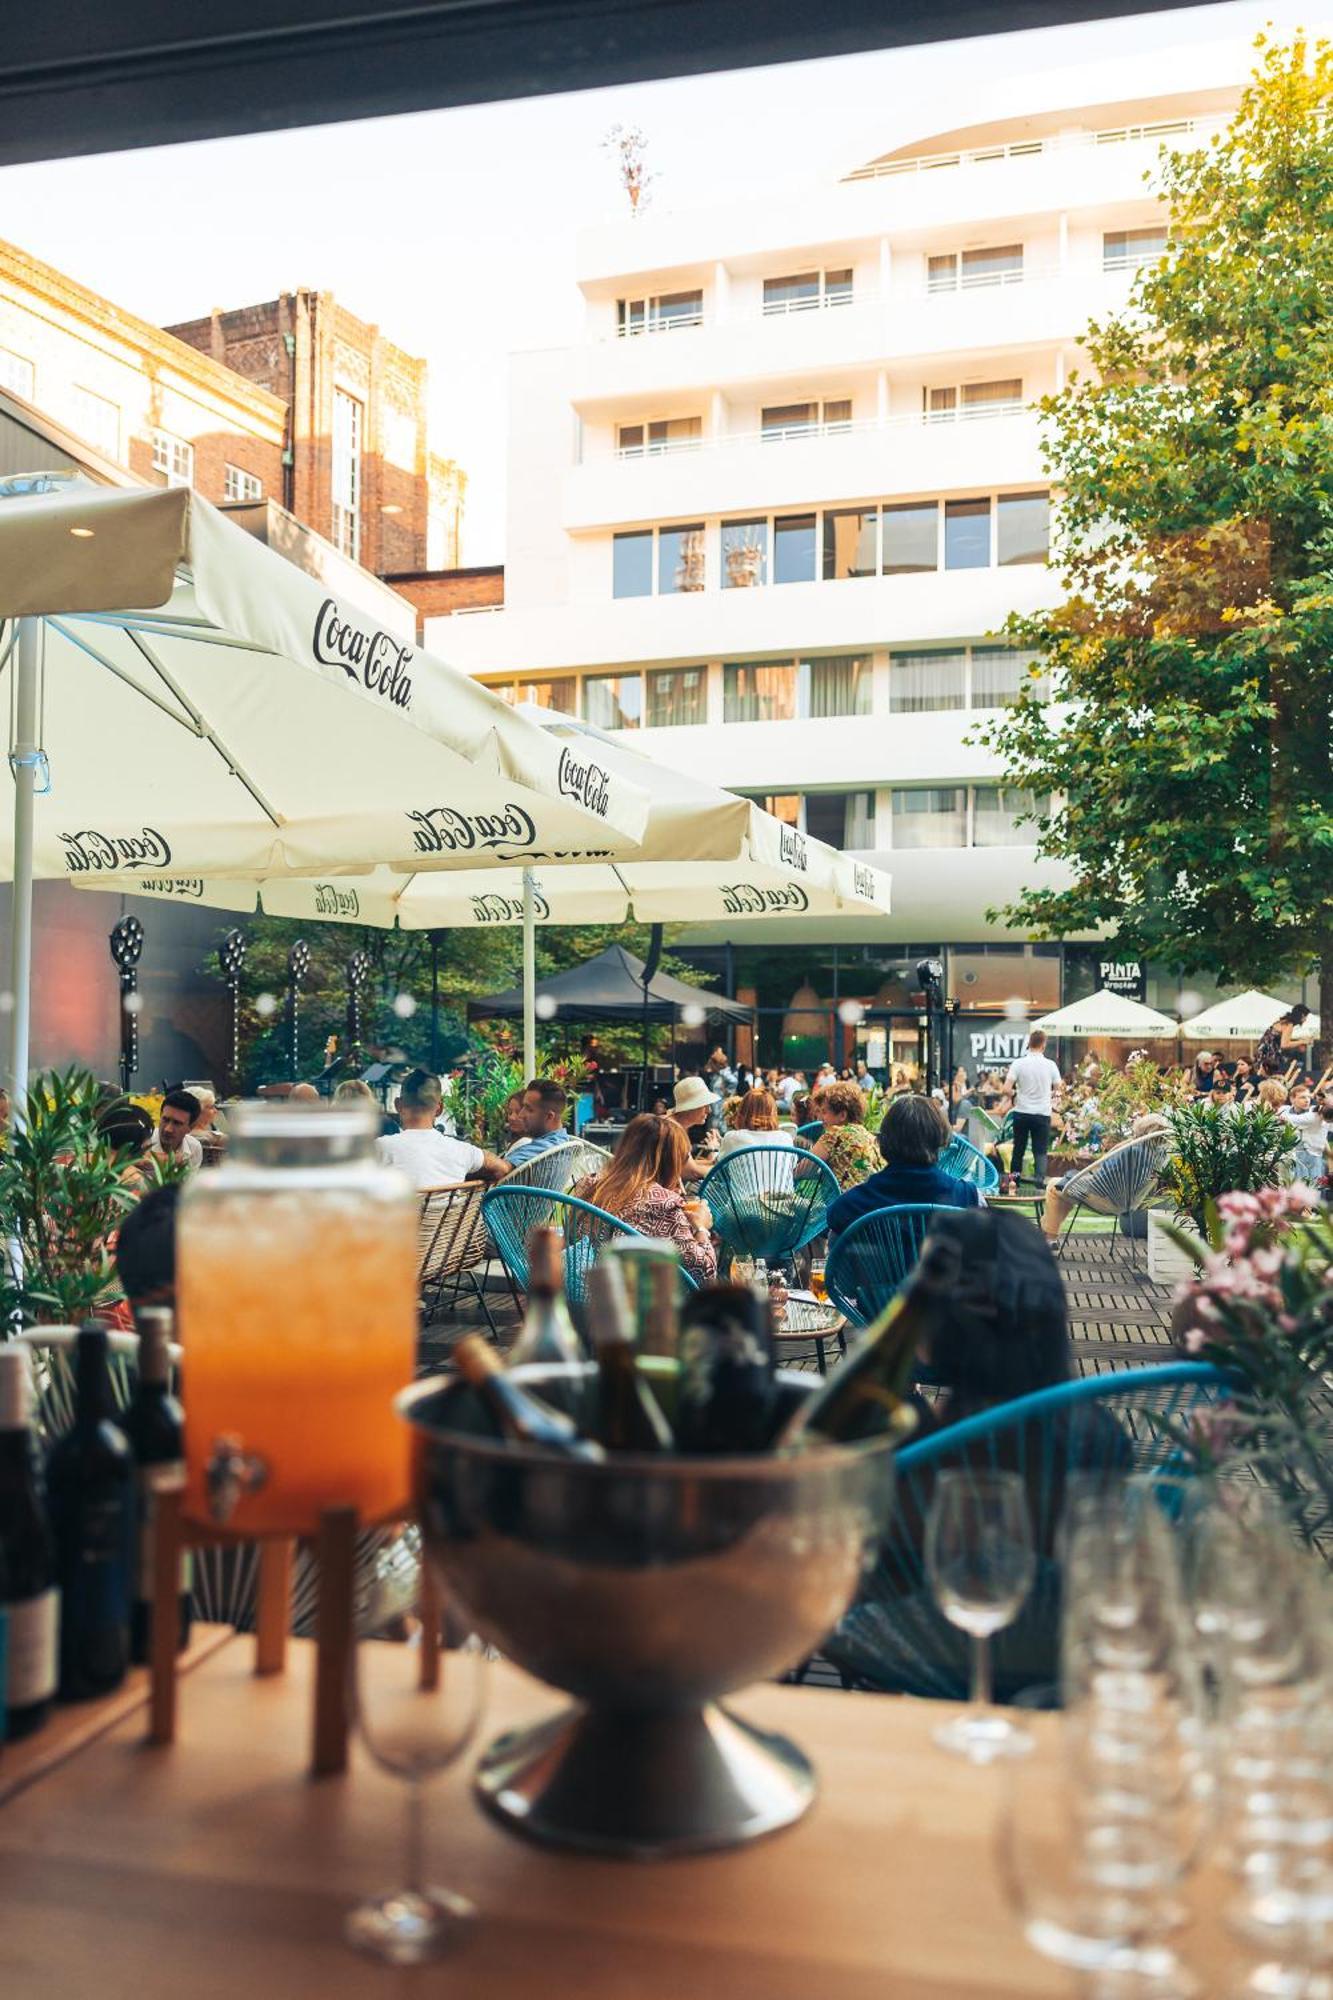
(417, 1687)
(818, 1280)
(981, 1564)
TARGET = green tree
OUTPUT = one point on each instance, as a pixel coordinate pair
(1187, 753)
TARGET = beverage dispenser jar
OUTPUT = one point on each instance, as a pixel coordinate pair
(297, 1309)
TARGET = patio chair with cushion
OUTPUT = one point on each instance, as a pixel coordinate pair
(895, 1639)
(453, 1247)
(769, 1201)
(870, 1262)
(1122, 1183)
(510, 1212)
(967, 1162)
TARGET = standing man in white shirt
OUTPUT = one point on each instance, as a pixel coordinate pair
(1035, 1083)
(426, 1156)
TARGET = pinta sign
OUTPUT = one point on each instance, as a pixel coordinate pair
(1126, 977)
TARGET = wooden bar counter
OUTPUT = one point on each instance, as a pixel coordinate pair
(215, 1869)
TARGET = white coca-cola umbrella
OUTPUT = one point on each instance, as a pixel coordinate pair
(185, 703)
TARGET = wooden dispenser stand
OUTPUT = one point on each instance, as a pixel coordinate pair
(335, 1552)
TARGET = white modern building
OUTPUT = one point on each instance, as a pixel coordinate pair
(773, 510)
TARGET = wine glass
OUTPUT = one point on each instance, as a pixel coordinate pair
(981, 1564)
(417, 1687)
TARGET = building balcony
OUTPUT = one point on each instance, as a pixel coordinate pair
(849, 752)
(806, 466)
(775, 620)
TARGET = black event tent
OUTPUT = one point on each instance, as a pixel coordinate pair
(610, 988)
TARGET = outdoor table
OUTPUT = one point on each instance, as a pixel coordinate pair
(216, 1867)
(808, 1320)
(1034, 1203)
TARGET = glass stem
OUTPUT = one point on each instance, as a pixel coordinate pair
(981, 1690)
(416, 1833)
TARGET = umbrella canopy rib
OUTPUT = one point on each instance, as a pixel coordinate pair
(204, 729)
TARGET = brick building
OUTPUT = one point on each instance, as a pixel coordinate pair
(438, 593)
(357, 468)
(141, 398)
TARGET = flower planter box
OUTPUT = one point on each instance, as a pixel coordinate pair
(1167, 1263)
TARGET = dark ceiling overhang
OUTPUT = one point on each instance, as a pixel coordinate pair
(91, 76)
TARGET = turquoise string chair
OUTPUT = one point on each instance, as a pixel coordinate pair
(869, 1262)
(808, 1133)
(967, 1162)
(769, 1201)
(510, 1212)
(1110, 1426)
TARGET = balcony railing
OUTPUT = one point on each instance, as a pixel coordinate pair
(803, 433)
(1182, 130)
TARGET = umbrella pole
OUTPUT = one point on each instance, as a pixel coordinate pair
(25, 757)
(529, 978)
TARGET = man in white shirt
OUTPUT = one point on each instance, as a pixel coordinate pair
(426, 1156)
(173, 1138)
(1035, 1083)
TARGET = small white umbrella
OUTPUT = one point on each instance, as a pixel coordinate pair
(1243, 1019)
(184, 702)
(1109, 1014)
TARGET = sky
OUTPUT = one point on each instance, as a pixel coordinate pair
(455, 231)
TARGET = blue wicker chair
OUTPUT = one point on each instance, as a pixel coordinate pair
(510, 1212)
(808, 1133)
(967, 1162)
(869, 1262)
(769, 1201)
(894, 1638)
(1122, 1183)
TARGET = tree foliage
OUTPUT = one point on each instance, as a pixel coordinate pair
(1187, 742)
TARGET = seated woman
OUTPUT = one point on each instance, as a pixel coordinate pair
(845, 1145)
(914, 1134)
(643, 1186)
(1058, 1204)
(754, 1122)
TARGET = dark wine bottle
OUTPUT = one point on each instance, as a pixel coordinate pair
(629, 1417)
(155, 1427)
(863, 1395)
(29, 1598)
(548, 1331)
(90, 1485)
(520, 1415)
(726, 1396)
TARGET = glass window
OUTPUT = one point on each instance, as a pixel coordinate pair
(675, 309)
(997, 674)
(629, 440)
(174, 457)
(558, 695)
(941, 405)
(911, 537)
(744, 554)
(632, 564)
(919, 682)
(838, 684)
(240, 485)
(1126, 249)
(996, 811)
(97, 418)
(680, 559)
(990, 399)
(798, 293)
(930, 816)
(16, 374)
(794, 548)
(998, 266)
(851, 542)
(837, 288)
(677, 697)
(1022, 527)
(630, 316)
(661, 435)
(759, 691)
(785, 806)
(347, 417)
(942, 272)
(967, 534)
(613, 701)
(783, 420)
(995, 974)
(841, 819)
(838, 414)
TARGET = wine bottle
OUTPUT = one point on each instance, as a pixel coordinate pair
(90, 1484)
(29, 1599)
(155, 1427)
(727, 1392)
(520, 1415)
(862, 1396)
(629, 1417)
(548, 1331)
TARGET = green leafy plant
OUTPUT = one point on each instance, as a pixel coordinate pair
(63, 1195)
(1220, 1151)
(1122, 1095)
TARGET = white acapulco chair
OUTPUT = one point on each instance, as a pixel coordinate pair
(1122, 1183)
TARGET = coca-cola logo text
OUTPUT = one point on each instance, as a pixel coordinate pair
(449, 830)
(747, 899)
(376, 659)
(90, 852)
(863, 883)
(491, 909)
(588, 783)
(170, 885)
(331, 901)
(792, 847)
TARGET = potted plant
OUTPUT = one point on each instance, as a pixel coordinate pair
(1217, 1150)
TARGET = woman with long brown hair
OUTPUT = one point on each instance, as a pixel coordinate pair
(642, 1186)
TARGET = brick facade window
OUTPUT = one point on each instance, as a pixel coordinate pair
(239, 485)
(174, 457)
